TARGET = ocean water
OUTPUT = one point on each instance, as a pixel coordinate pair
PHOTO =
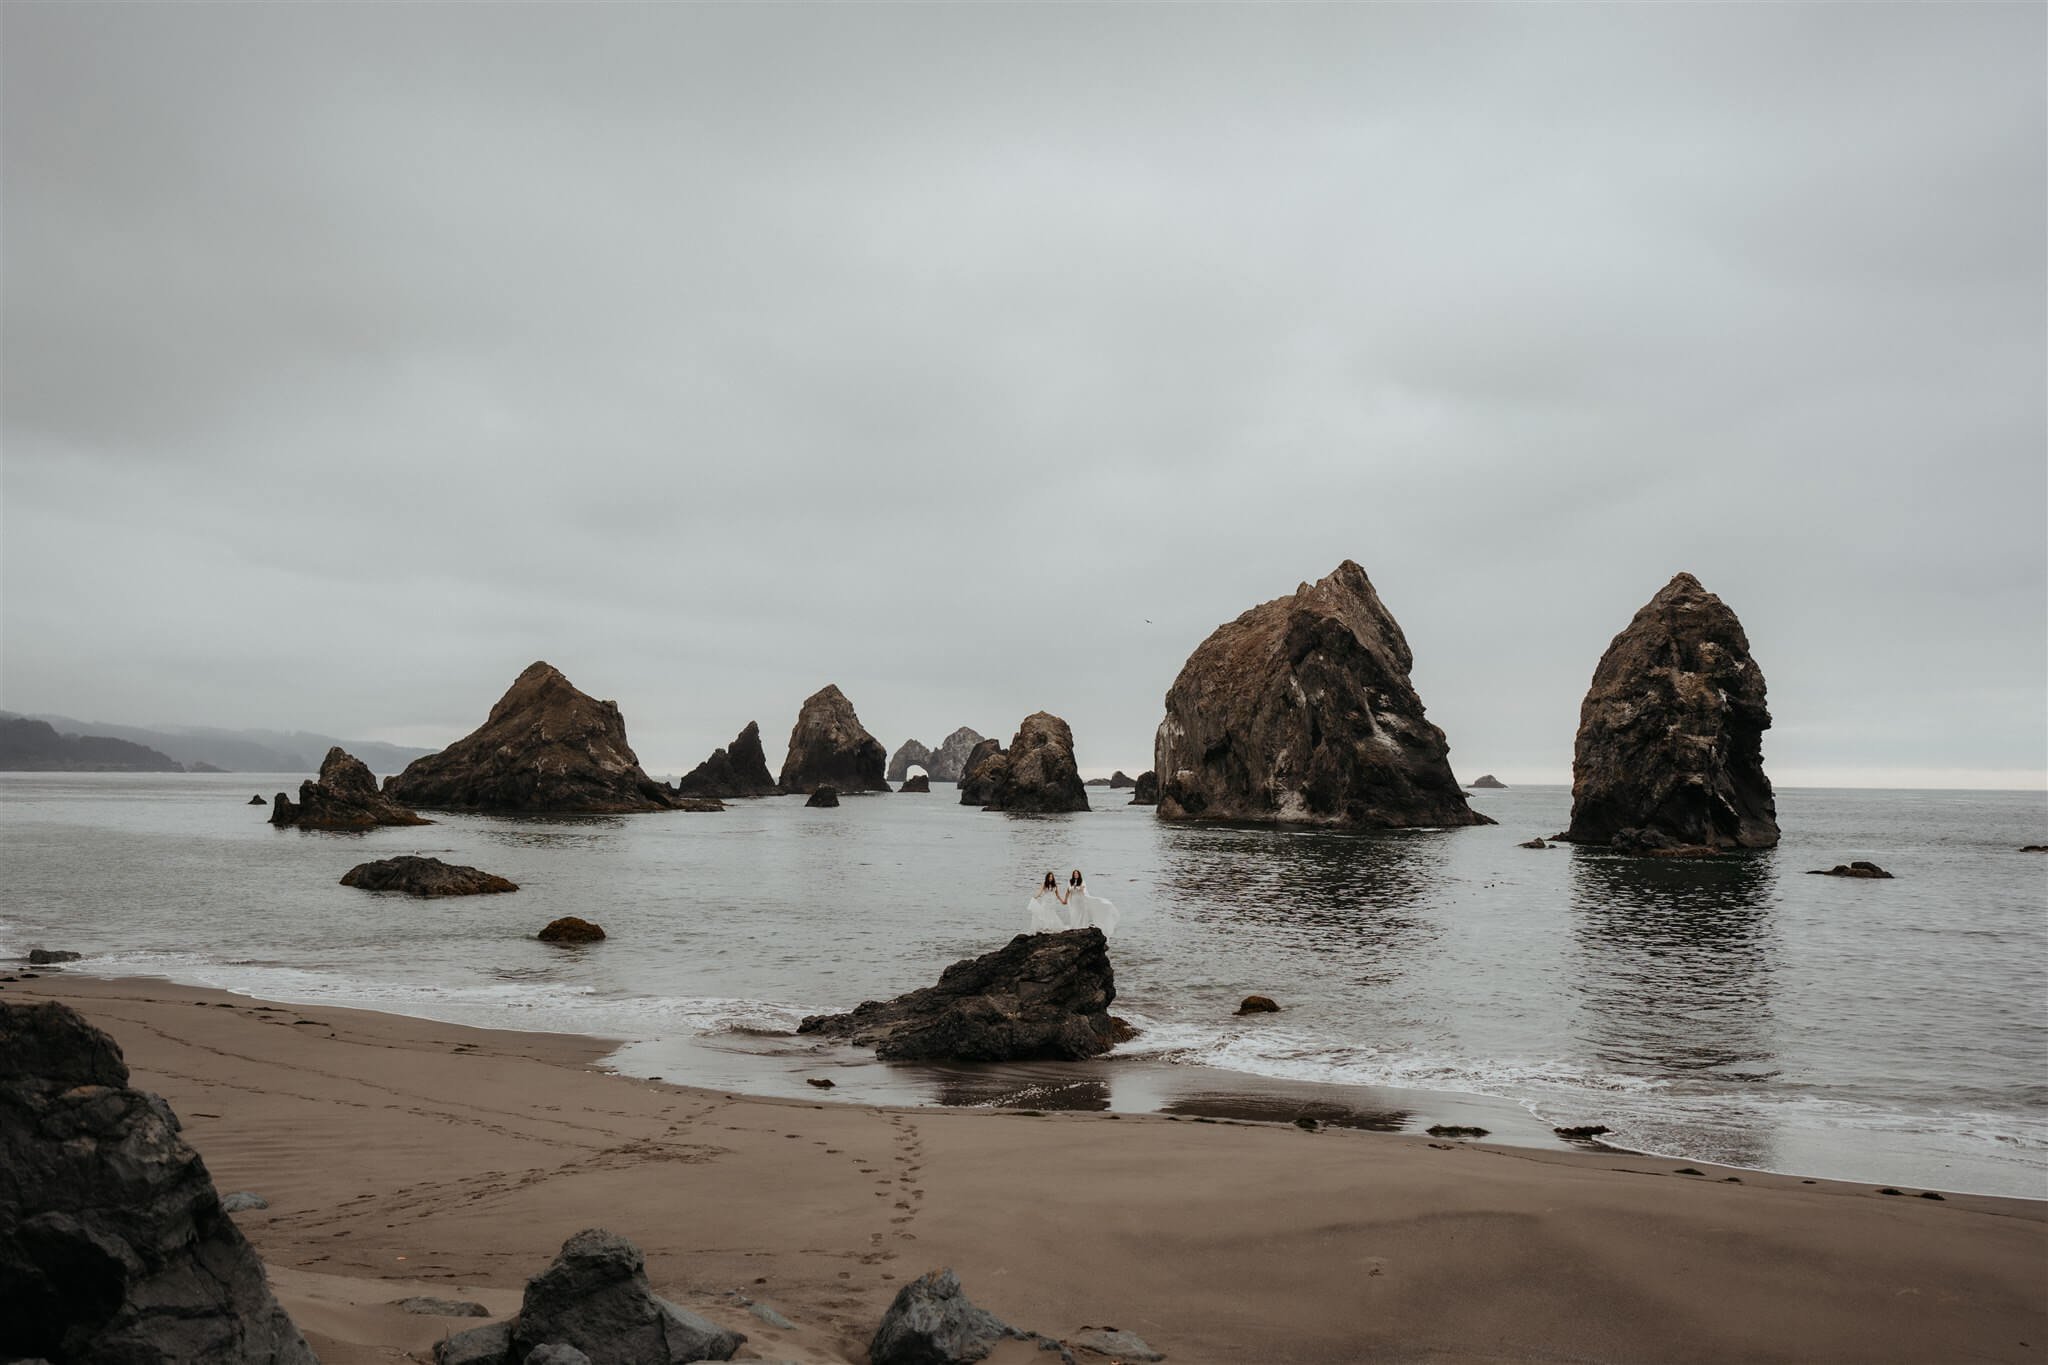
(1736, 1011)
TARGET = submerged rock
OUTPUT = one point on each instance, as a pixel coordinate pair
(113, 1243)
(545, 749)
(982, 773)
(424, 877)
(910, 753)
(738, 770)
(949, 760)
(828, 745)
(1670, 744)
(1038, 773)
(1039, 997)
(1857, 869)
(919, 783)
(1145, 791)
(825, 796)
(344, 796)
(570, 929)
(933, 1322)
(1300, 711)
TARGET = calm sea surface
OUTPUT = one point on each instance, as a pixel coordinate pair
(1733, 1011)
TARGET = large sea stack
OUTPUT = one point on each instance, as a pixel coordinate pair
(739, 770)
(344, 796)
(828, 746)
(1670, 747)
(983, 772)
(949, 760)
(911, 752)
(547, 749)
(1300, 712)
(113, 1243)
(1039, 773)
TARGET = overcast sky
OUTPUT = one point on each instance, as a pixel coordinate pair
(984, 359)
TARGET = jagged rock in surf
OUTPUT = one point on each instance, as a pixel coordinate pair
(344, 796)
(545, 749)
(828, 745)
(1300, 711)
(949, 760)
(982, 773)
(910, 753)
(1670, 744)
(739, 770)
(113, 1242)
(1037, 773)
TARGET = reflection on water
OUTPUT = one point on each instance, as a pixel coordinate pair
(560, 831)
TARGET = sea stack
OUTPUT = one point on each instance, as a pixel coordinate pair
(1038, 775)
(546, 749)
(983, 773)
(739, 770)
(344, 796)
(911, 753)
(949, 760)
(1300, 712)
(1670, 746)
(828, 745)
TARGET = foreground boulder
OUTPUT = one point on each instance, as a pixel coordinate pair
(949, 760)
(425, 877)
(736, 771)
(1300, 711)
(596, 1300)
(933, 1322)
(113, 1244)
(911, 753)
(1670, 743)
(983, 773)
(1038, 774)
(1145, 791)
(344, 796)
(828, 744)
(546, 749)
(1040, 997)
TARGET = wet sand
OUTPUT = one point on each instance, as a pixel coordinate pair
(402, 1157)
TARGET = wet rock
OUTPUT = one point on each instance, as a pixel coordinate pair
(243, 1201)
(739, 770)
(424, 877)
(441, 1308)
(1115, 1343)
(570, 929)
(828, 745)
(1670, 744)
(546, 748)
(1857, 869)
(43, 957)
(949, 760)
(1582, 1132)
(1038, 774)
(113, 1243)
(933, 1322)
(1121, 779)
(919, 783)
(344, 796)
(555, 1353)
(595, 1297)
(1258, 1004)
(256, 801)
(1039, 997)
(982, 773)
(825, 796)
(910, 753)
(1456, 1130)
(1532, 843)
(1301, 711)
(1145, 791)
(489, 1345)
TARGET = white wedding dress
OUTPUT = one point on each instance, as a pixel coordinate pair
(1044, 910)
(1084, 910)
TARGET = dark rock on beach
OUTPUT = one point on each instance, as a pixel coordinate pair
(440, 1308)
(949, 760)
(1145, 791)
(489, 1345)
(1581, 1133)
(1488, 783)
(1115, 1343)
(736, 771)
(933, 1322)
(43, 957)
(243, 1201)
(825, 797)
(546, 748)
(424, 877)
(1039, 997)
(113, 1244)
(1456, 1130)
(343, 797)
(919, 783)
(828, 745)
(1301, 712)
(570, 929)
(1038, 774)
(1857, 869)
(982, 773)
(1670, 745)
(911, 753)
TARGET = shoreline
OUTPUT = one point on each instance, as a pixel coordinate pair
(406, 1156)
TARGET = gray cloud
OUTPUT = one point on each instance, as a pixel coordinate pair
(358, 355)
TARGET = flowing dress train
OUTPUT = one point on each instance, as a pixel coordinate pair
(1044, 912)
(1084, 909)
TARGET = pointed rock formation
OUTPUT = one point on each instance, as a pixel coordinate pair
(546, 749)
(911, 752)
(982, 773)
(113, 1242)
(949, 760)
(1038, 774)
(345, 796)
(737, 771)
(1121, 779)
(1670, 746)
(1300, 711)
(828, 745)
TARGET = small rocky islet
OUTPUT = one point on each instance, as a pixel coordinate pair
(343, 797)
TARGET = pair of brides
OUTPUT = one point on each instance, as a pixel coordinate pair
(1054, 909)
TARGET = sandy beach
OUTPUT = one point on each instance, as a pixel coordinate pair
(402, 1157)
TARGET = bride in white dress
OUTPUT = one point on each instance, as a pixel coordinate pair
(1084, 909)
(1044, 907)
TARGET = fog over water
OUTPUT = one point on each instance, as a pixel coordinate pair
(983, 359)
